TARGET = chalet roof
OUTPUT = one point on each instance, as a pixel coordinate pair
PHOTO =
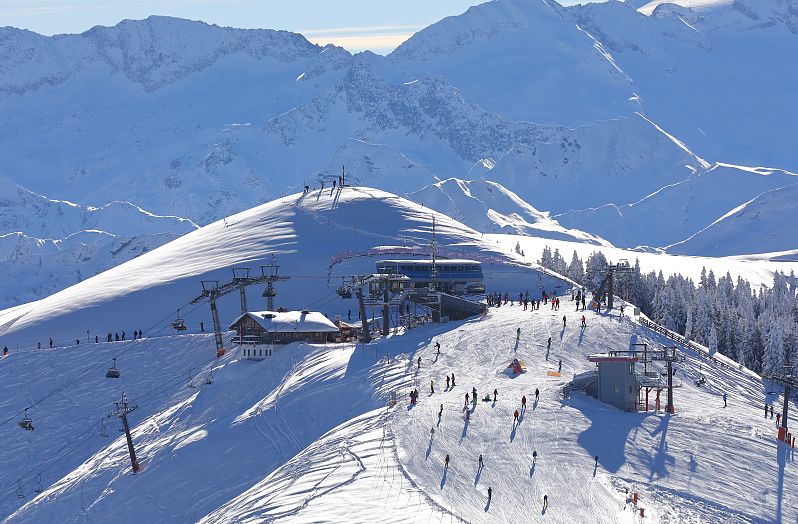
(290, 321)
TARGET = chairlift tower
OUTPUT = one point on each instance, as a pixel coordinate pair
(789, 381)
(212, 290)
(608, 282)
(121, 411)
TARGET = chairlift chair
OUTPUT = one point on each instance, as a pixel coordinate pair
(178, 323)
(26, 423)
(269, 292)
(113, 372)
(344, 292)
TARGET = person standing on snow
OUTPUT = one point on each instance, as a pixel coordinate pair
(431, 386)
(495, 394)
(515, 417)
(452, 379)
(440, 413)
(5, 350)
(466, 401)
(490, 493)
(537, 394)
(583, 321)
(563, 321)
(481, 464)
(724, 400)
(419, 362)
(545, 502)
(559, 367)
(548, 344)
(523, 402)
(534, 457)
(446, 462)
(518, 334)
(447, 381)
(438, 347)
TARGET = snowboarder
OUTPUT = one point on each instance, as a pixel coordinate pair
(481, 465)
(446, 462)
(452, 379)
(537, 394)
(548, 344)
(431, 386)
(515, 417)
(559, 366)
(490, 493)
(523, 402)
(447, 383)
(583, 321)
(724, 400)
(545, 502)
(495, 394)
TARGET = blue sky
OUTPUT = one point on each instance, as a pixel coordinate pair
(378, 25)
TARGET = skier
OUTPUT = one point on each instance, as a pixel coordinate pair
(495, 394)
(537, 394)
(419, 362)
(440, 413)
(490, 493)
(431, 386)
(452, 379)
(523, 402)
(534, 457)
(466, 401)
(766, 411)
(518, 334)
(559, 367)
(724, 400)
(545, 502)
(515, 417)
(446, 462)
(583, 321)
(563, 321)
(447, 382)
(622, 311)
(548, 344)
(438, 347)
(596, 461)
(481, 464)
(5, 350)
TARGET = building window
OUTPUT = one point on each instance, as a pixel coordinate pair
(616, 389)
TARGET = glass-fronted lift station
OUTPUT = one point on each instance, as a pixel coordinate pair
(454, 276)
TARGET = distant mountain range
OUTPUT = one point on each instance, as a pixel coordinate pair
(600, 123)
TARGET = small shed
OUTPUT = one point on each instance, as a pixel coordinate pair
(617, 383)
(284, 327)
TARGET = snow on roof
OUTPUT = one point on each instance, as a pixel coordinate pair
(290, 321)
(605, 357)
(439, 262)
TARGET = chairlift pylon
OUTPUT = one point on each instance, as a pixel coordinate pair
(26, 423)
(178, 323)
(113, 372)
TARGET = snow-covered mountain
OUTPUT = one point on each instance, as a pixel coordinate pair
(312, 430)
(491, 208)
(597, 115)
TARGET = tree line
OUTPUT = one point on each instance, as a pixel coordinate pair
(757, 327)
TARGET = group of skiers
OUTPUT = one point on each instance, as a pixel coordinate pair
(497, 300)
(338, 180)
(109, 337)
(580, 297)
